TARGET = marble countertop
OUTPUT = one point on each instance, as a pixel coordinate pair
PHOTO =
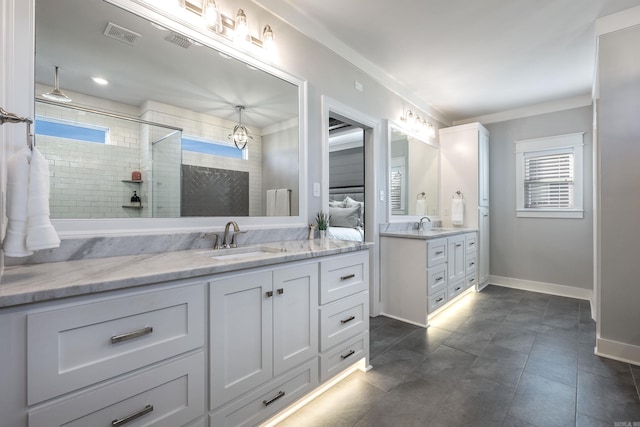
(42, 282)
(427, 233)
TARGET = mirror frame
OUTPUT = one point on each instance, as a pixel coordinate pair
(398, 127)
(76, 228)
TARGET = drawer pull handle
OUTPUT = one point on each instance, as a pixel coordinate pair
(472, 264)
(134, 416)
(472, 280)
(439, 278)
(348, 320)
(351, 353)
(458, 288)
(273, 399)
(440, 299)
(458, 245)
(269, 294)
(472, 243)
(439, 252)
(131, 335)
(348, 276)
(280, 291)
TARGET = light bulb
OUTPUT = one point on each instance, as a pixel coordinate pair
(241, 29)
(210, 15)
(267, 39)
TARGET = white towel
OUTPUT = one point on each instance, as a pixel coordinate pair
(15, 241)
(283, 203)
(40, 232)
(29, 227)
(457, 211)
(421, 207)
(271, 202)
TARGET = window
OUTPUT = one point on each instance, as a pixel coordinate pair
(549, 177)
(398, 186)
(216, 148)
(71, 130)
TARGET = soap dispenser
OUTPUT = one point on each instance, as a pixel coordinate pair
(135, 200)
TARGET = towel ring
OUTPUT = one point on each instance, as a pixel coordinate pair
(6, 117)
(421, 195)
(459, 194)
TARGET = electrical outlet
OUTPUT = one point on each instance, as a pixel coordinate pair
(382, 195)
(358, 85)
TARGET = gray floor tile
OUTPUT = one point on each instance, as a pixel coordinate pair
(472, 344)
(525, 316)
(561, 370)
(500, 365)
(561, 320)
(423, 341)
(586, 421)
(449, 320)
(565, 339)
(607, 399)
(589, 362)
(544, 402)
(446, 366)
(513, 337)
(392, 368)
(635, 372)
(383, 338)
(514, 422)
(587, 333)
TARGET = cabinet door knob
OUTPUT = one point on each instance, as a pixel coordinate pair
(269, 294)
(280, 291)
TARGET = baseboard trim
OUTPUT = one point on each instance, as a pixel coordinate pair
(542, 287)
(622, 352)
(402, 319)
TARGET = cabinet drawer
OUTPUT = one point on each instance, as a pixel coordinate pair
(344, 355)
(472, 279)
(343, 275)
(437, 300)
(343, 319)
(437, 279)
(471, 242)
(456, 289)
(80, 345)
(436, 252)
(268, 400)
(169, 395)
(472, 263)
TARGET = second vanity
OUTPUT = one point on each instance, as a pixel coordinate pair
(188, 338)
(424, 271)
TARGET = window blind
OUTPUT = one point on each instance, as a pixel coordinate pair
(549, 180)
(396, 190)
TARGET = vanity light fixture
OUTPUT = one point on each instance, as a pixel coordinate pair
(209, 14)
(241, 134)
(240, 27)
(56, 94)
(418, 124)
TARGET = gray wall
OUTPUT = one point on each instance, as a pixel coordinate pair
(619, 142)
(556, 251)
(280, 165)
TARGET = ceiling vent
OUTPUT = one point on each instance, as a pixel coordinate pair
(121, 34)
(179, 40)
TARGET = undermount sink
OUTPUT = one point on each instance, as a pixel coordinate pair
(243, 252)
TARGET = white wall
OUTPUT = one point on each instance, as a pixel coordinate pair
(551, 251)
(619, 136)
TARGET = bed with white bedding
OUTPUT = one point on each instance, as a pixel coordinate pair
(346, 209)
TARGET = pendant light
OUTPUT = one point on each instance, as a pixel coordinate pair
(56, 94)
(240, 133)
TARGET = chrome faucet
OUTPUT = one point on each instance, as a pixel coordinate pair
(215, 242)
(236, 229)
(421, 223)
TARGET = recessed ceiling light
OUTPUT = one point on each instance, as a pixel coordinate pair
(100, 80)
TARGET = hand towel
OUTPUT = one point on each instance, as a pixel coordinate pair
(283, 202)
(15, 241)
(457, 211)
(271, 202)
(40, 232)
(421, 207)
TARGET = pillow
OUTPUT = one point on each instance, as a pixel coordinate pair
(349, 203)
(336, 204)
(344, 217)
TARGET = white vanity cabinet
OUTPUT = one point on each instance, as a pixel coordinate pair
(464, 152)
(261, 324)
(91, 360)
(420, 275)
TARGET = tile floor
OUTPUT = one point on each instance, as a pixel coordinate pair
(501, 357)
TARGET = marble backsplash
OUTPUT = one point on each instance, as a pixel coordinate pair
(105, 247)
(389, 227)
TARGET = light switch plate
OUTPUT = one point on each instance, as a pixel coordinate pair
(316, 189)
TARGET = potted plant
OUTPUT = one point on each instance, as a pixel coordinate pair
(322, 221)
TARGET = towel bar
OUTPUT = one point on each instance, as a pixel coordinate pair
(6, 117)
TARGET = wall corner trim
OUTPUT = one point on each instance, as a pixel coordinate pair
(627, 353)
(542, 287)
(618, 21)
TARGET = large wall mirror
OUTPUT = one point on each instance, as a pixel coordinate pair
(414, 175)
(160, 127)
